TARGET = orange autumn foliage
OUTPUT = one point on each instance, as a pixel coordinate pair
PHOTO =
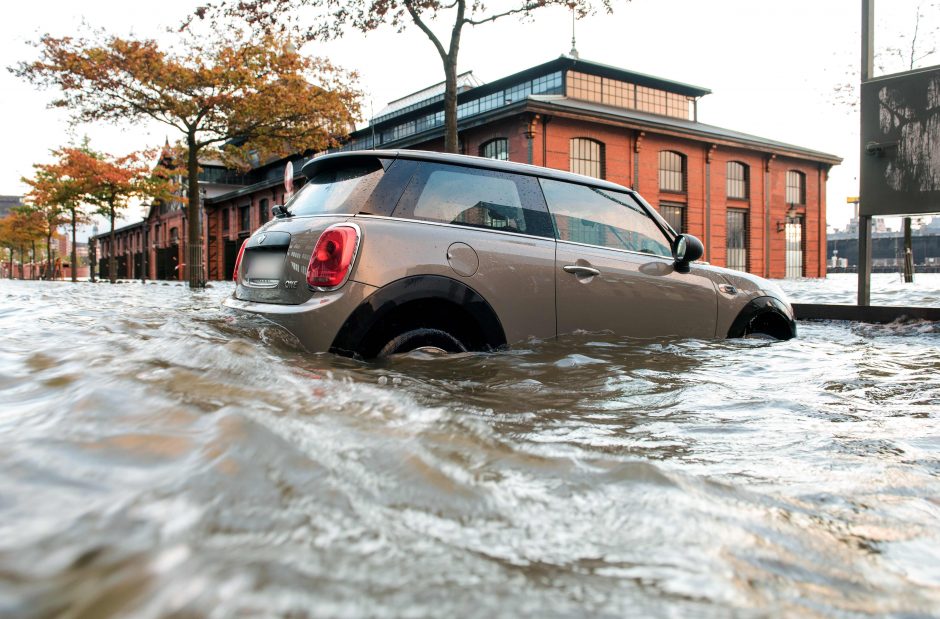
(240, 101)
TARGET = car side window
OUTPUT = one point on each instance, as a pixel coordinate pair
(476, 198)
(594, 216)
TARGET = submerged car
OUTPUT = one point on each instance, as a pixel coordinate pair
(384, 252)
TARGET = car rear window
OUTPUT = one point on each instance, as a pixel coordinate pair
(338, 191)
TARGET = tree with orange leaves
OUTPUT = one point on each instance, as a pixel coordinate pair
(49, 209)
(81, 178)
(57, 189)
(110, 183)
(241, 101)
(21, 227)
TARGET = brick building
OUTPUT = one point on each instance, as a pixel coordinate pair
(757, 204)
(154, 248)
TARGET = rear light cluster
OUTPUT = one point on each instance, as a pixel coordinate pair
(238, 261)
(333, 256)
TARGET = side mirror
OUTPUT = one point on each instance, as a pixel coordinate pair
(279, 211)
(687, 249)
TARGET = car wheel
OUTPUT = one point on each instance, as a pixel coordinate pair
(433, 340)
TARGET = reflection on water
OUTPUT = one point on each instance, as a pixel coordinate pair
(162, 457)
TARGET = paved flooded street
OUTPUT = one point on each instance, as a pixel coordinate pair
(161, 457)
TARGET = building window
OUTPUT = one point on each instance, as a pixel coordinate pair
(796, 187)
(496, 149)
(736, 242)
(794, 247)
(174, 236)
(587, 157)
(674, 214)
(263, 211)
(738, 176)
(584, 86)
(225, 218)
(671, 171)
(244, 218)
(618, 93)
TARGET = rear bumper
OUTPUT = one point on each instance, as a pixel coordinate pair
(315, 322)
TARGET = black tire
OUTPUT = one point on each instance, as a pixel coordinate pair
(420, 338)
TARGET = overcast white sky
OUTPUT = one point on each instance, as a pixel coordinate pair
(771, 66)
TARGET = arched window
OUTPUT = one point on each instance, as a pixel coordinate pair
(738, 177)
(587, 157)
(495, 149)
(671, 171)
(796, 187)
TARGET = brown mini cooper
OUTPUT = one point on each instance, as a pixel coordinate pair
(383, 252)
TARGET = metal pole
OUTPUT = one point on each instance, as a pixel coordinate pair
(864, 260)
(908, 253)
(864, 221)
(868, 39)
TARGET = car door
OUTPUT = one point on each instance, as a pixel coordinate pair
(614, 269)
(487, 229)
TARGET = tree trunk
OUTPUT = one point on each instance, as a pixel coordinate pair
(451, 144)
(48, 268)
(22, 266)
(193, 256)
(34, 274)
(112, 259)
(74, 256)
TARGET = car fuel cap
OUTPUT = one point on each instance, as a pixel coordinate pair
(462, 259)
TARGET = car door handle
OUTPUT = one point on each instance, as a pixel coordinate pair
(578, 269)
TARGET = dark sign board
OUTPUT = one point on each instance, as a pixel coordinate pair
(900, 168)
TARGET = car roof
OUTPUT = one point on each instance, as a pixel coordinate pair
(317, 163)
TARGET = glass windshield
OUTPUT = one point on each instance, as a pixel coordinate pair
(338, 191)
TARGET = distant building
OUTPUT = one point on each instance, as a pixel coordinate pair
(887, 250)
(8, 203)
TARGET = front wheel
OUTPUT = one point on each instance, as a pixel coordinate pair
(422, 338)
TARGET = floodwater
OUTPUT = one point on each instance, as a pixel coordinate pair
(160, 457)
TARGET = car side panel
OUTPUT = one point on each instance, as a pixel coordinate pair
(513, 273)
(633, 294)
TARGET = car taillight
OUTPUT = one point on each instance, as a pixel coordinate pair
(333, 256)
(238, 261)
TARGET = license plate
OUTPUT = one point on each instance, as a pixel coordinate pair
(265, 266)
